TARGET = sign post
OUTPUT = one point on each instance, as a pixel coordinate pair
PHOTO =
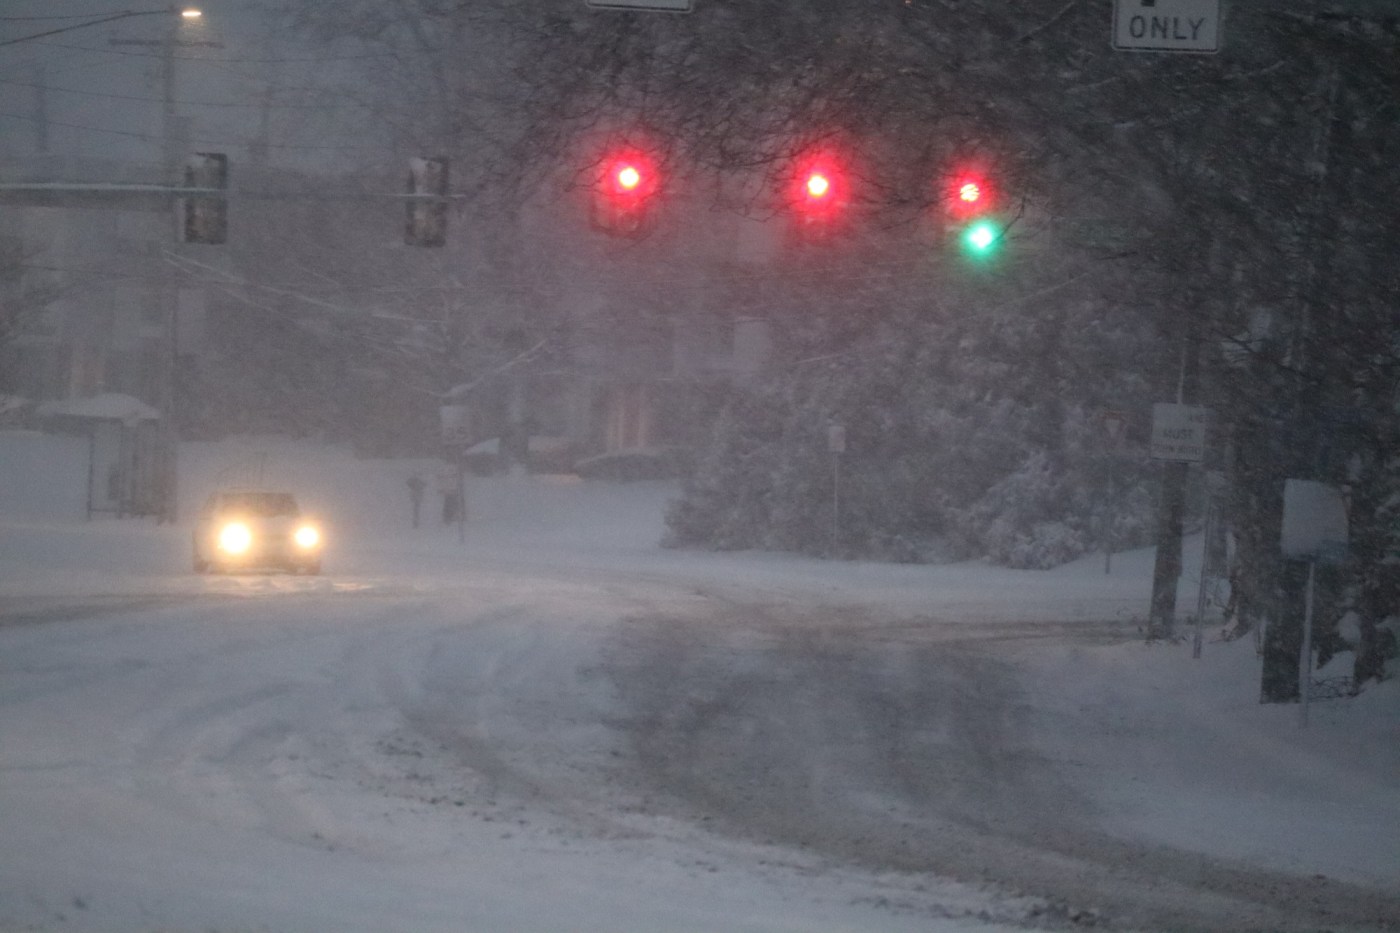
(1314, 529)
(836, 446)
(456, 435)
(1115, 425)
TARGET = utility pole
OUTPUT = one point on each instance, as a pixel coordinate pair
(171, 143)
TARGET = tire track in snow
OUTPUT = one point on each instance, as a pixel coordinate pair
(905, 747)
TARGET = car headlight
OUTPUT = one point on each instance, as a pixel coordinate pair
(307, 537)
(235, 538)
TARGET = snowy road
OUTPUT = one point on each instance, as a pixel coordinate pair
(288, 754)
(559, 726)
(304, 760)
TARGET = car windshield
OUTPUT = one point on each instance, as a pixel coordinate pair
(265, 504)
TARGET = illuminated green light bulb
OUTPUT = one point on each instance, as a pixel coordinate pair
(981, 237)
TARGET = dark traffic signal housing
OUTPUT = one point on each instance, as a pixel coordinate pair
(426, 223)
(819, 195)
(205, 211)
(624, 193)
(970, 213)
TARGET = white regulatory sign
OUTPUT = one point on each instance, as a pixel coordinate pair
(1166, 25)
(1179, 432)
(836, 439)
(1314, 522)
(456, 425)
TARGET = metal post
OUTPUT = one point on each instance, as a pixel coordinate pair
(461, 496)
(1205, 571)
(92, 465)
(835, 502)
(836, 446)
(167, 107)
(170, 440)
(1305, 662)
(1111, 517)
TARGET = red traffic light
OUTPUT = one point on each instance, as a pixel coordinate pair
(819, 185)
(819, 188)
(629, 174)
(818, 195)
(629, 177)
(969, 194)
(623, 194)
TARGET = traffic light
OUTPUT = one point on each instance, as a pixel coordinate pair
(205, 217)
(624, 193)
(426, 223)
(819, 195)
(970, 213)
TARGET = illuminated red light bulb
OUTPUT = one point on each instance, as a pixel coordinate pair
(628, 178)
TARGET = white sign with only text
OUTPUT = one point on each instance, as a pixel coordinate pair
(1179, 432)
(1166, 25)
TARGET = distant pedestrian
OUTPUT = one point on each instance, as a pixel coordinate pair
(416, 485)
(448, 485)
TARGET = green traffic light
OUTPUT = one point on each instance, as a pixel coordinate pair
(981, 237)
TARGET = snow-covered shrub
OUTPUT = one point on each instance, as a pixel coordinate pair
(1027, 519)
(727, 499)
(964, 438)
(638, 463)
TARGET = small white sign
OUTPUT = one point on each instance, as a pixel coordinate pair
(1166, 25)
(1179, 432)
(1314, 522)
(456, 425)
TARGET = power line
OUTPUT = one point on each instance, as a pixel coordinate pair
(30, 19)
(90, 21)
(156, 100)
(210, 143)
(226, 61)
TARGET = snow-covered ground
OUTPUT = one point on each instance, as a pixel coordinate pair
(362, 750)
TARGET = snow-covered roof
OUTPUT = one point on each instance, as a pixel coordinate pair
(109, 406)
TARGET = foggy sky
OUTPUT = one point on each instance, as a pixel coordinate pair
(104, 100)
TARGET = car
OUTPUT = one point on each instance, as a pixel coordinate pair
(255, 529)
